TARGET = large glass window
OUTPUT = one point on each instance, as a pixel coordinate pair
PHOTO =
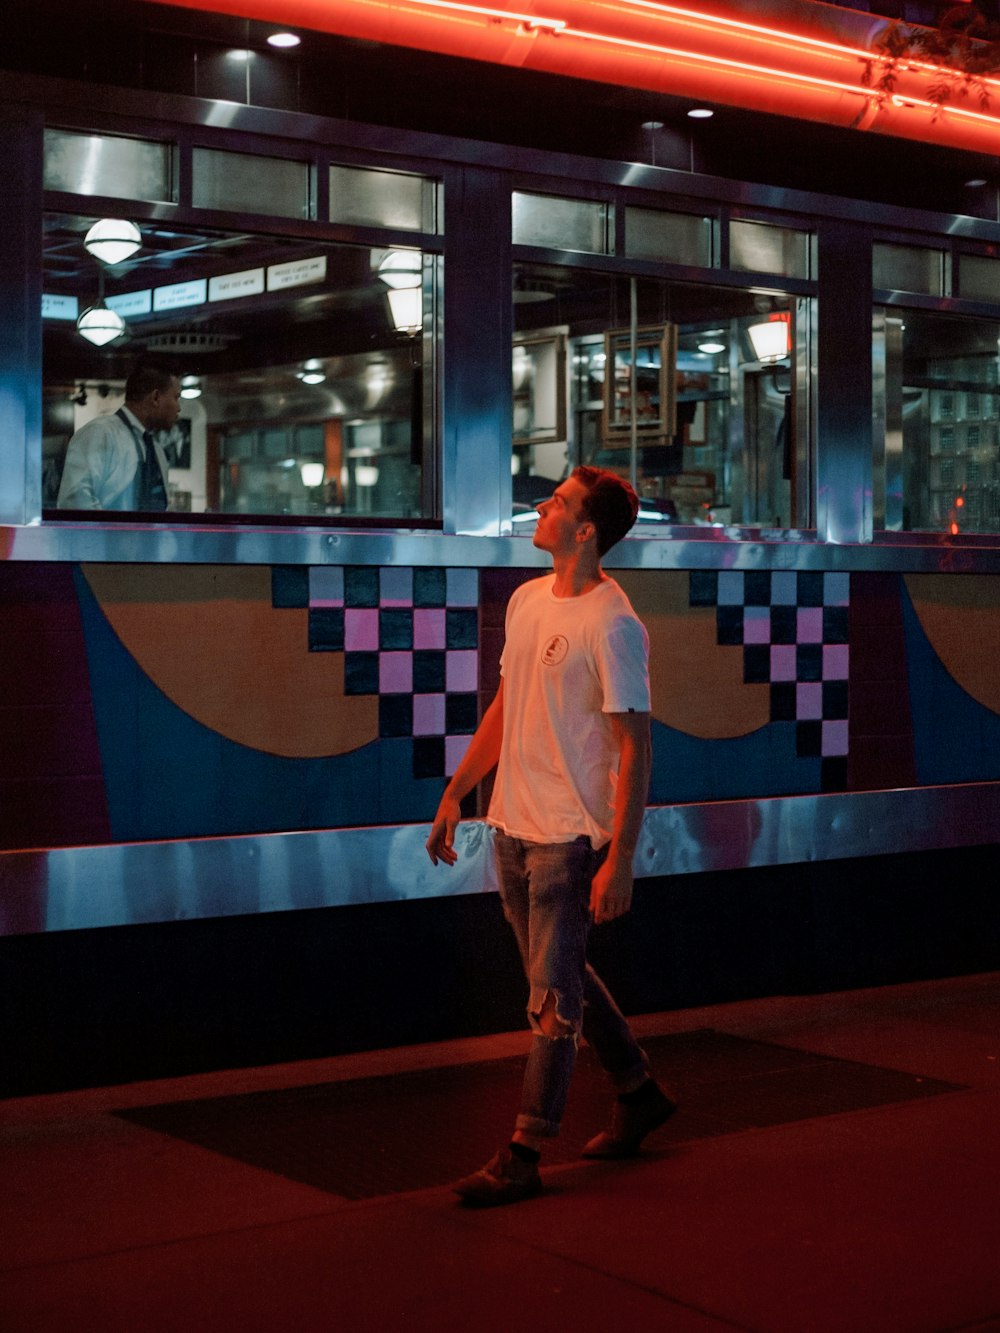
(250, 183)
(305, 370)
(908, 268)
(562, 224)
(662, 382)
(109, 164)
(937, 428)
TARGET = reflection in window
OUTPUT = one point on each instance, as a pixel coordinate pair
(364, 197)
(908, 268)
(562, 224)
(978, 278)
(108, 164)
(671, 238)
(304, 368)
(763, 248)
(937, 459)
(249, 183)
(662, 383)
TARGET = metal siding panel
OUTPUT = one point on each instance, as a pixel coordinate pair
(844, 378)
(21, 316)
(478, 332)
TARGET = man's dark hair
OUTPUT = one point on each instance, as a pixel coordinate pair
(146, 377)
(610, 504)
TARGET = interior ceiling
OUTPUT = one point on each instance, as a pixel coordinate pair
(166, 49)
(344, 313)
(590, 301)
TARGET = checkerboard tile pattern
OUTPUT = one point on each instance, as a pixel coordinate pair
(793, 628)
(410, 636)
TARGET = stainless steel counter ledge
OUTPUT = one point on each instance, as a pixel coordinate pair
(677, 548)
(75, 888)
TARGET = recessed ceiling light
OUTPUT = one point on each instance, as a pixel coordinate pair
(976, 183)
(701, 113)
(652, 124)
(283, 39)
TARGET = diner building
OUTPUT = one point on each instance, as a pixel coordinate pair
(412, 261)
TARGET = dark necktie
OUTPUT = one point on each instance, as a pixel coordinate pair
(152, 494)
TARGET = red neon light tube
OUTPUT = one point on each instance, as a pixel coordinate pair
(709, 56)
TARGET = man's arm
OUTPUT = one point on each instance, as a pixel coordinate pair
(479, 759)
(611, 890)
(76, 489)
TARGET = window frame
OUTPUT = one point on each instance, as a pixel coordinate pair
(842, 459)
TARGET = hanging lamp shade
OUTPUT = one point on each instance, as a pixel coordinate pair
(112, 240)
(99, 325)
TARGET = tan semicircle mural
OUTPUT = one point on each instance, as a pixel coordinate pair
(960, 614)
(209, 638)
(697, 684)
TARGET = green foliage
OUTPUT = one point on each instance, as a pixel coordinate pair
(965, 47)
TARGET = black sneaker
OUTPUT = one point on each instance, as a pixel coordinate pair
(630, 1123)
(504, 1179)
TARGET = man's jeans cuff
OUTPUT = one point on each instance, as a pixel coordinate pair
(534, 1125)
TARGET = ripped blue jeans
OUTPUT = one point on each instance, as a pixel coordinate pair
(545, 891)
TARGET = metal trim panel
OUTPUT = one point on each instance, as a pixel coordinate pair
(74, 105)
(77, 888)
(681, 548)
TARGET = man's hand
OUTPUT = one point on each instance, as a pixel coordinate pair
(479, 758)
(441, 843)
(611, 891)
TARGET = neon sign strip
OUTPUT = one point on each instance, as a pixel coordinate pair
(739, 66)
(527, 20)
(790, 78)
(711, 21)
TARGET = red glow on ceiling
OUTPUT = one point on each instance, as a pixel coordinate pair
(709, 55)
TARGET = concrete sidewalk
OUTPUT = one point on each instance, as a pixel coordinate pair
(885, 1218)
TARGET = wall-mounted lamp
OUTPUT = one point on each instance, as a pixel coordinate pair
(112, 240)
(190, 386)
(284, 41)
(402, 272)
(365, 474)
(770, 339)
(406, 309)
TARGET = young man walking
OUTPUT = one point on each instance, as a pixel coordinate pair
(568, 732)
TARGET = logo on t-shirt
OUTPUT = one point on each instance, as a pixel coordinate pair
(555, 650)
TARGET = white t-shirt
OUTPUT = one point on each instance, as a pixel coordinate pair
(567, 663)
